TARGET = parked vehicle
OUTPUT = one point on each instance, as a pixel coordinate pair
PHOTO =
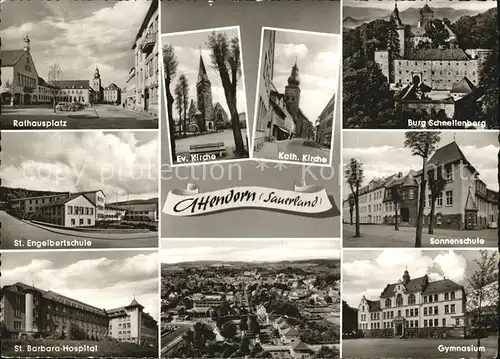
(62, 106)
(493, 225)
(73, 107)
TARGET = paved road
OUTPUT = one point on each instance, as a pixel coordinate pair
(386, 236)
(99, 117)
(20, 234)
(226, 136)
(293, 151)
(371, 348)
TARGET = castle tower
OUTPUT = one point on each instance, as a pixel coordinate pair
(426, 15)
(204, 95)
(400, 29)
(292, 91)
(27, 43)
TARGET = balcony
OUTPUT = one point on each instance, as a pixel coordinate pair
(148, 43)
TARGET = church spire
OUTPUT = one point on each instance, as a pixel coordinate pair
(96, 73)
(294, 76)
(202, 71)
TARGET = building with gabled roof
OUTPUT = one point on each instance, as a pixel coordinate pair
(112, 94)
(465, 202)
(413, 306)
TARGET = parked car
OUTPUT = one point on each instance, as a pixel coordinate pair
(493, 225)
(62, 106)
(73, 106)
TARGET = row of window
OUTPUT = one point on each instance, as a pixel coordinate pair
(409, 324)
(81, 210)
(25, 81)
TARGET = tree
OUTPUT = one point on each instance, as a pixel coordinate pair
(184, 89)
(437, 32)
(422, 144)
(229, 330)
(483, 291)
(225, 58)
(396, 198)
(498, 196)
(436, 186)
(254, 326)
(54, 77)
(179, 107)
(354, 177)
(326, 352)
(489, 89)
(393, 46)
(243, 324)
(170, 64)
(350, 198)
(77, 333)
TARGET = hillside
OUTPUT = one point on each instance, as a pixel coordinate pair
(7, 193)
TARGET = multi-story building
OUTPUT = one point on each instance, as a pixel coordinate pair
(265, 83)
(201, 301)
(464, 203)
(131, 324)
(281, 123)
(73, 91)
(27, 310)
(138, 210)
(129, 92)
(112, 94)
(414, 307)
(325, 125)
(19, 75)
(145, 49)
(64, 209)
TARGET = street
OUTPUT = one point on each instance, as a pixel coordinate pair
(226, 136)
(30, 117)
(415, 348)
(294, 151)
(21, 234)
(373, 235)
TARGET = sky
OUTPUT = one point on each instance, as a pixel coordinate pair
(367, 272)
(104, 279)
(317, 58)
(187, 49)
(403, 5)
(383, 154)
(122, 164)
(78, 35)
(248, 251)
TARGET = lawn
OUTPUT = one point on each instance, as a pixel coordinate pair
(415, 348)
(74, 348)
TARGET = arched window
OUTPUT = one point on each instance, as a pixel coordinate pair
(411, 299)
(388, 303)
(399, 300)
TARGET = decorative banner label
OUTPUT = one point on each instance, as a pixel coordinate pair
(303, 199)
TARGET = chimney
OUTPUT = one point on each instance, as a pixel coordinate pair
(26, 43)
(400, 174)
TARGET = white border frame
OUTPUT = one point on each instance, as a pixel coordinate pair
(165, 35)
(336, 89)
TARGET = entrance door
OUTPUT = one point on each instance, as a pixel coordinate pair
(470, 218)
(405, 214)
(399, 329)
(27, 99)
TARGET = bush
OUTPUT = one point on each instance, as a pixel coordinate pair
(77, 333)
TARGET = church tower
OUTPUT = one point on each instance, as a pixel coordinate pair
(406, 277)
(204, 95)
(96, 86)
(292, 91)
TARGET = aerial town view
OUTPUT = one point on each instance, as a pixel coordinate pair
(74, 65)
(253, 304)
(412, 64)
(79, 189)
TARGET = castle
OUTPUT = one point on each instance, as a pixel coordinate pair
(426, 75)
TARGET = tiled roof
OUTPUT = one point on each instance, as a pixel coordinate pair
(112, 86)
(373, 305)
(464, 86)
(441, 286)
(426, 8)
(62, 201)
(450, 153)
(290, 332)
(413, 286)
(440, 54)
(298, 345)
(72, 84)
(409, 180)
(10, 57)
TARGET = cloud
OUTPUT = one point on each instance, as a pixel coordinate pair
(80, 44)
(290, 50)
(271, 252)
(103, 282)
(75, 161)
